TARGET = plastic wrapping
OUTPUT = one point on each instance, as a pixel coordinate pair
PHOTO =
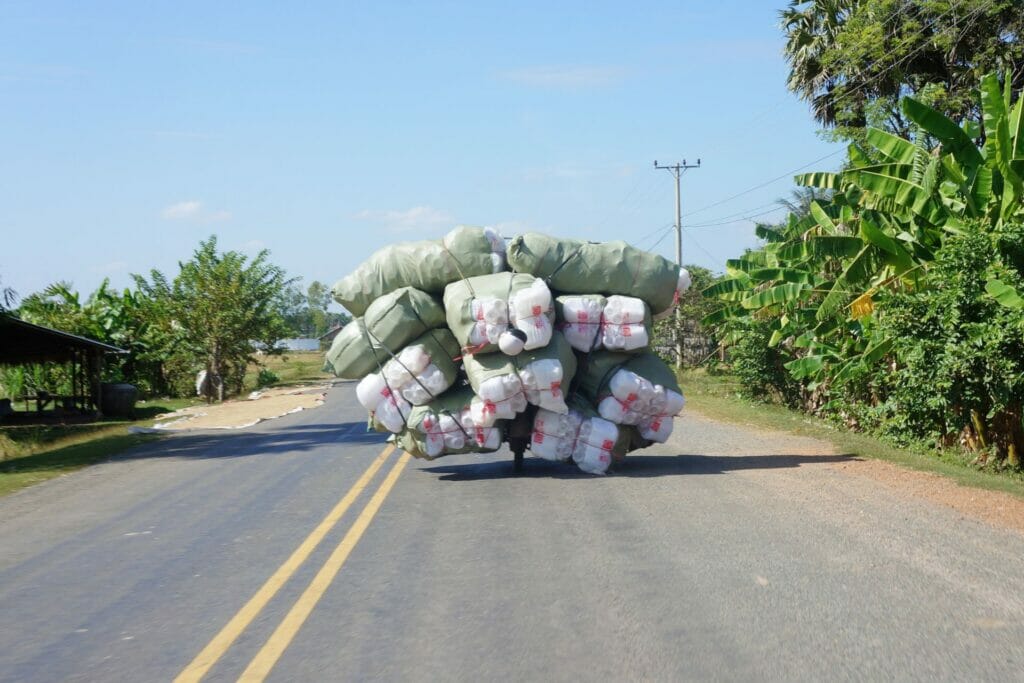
(479, 309)
(638, 390)
(579, 435)
(445, 426)
(426, 265)
(416, 375)
(617, 323)
(390, 323)
(505, 384)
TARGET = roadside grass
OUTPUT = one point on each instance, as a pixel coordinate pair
(717, 396)
(296, 367)
(30, 454)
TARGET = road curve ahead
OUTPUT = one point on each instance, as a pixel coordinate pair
(305, 549)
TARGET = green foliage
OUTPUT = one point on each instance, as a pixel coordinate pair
(216, 311)
(306, 313)
(266, 378)
(693, 308)
(895, 304)
(852, 60)
(759, 366)
(212, 315)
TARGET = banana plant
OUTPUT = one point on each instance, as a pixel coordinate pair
(816, 276)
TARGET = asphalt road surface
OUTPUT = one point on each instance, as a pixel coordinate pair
(304, 549)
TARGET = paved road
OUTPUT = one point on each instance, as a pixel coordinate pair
(728, 554)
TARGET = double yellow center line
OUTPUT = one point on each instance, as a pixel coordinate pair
(282, 636)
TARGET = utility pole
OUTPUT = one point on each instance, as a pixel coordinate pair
(677, 170)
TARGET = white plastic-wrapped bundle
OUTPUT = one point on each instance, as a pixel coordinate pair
(529, 310)
(593, 450)
(447, 433)
(499, 397)
(387, 407)
(446, 425)
(587, 440)
(554, 435)
(483, 310)
(616, 323)
(504, 385)
(415, 375)
(682, 284)
(542, 381)
(526, 310)
(624, 326)
(635, 400)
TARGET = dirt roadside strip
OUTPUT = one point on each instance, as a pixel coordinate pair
(994, 507)
(241, 413)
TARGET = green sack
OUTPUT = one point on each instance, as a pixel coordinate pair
(427, 265)
(479, 309)
(596, 371)
(442, 427)
(576, 267)
(390, 323)
(542, 376)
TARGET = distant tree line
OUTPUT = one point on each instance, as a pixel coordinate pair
(214, 314)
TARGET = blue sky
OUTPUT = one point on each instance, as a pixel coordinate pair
(130, 131)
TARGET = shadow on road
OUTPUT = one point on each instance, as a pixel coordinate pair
(276, 439)
(634, 466)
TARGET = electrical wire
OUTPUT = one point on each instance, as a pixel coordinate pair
(969, 18)
(764, 184)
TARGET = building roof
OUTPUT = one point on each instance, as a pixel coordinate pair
(22, 342)
(330, 334)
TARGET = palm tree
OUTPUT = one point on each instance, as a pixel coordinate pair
(8, 297)
(811, 28)
(799, 200)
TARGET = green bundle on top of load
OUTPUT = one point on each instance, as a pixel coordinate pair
(450, 346)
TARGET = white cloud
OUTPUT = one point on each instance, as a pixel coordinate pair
(566, 77)
(416, 218)
(193, 211)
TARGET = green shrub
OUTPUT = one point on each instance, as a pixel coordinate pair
(266, 378)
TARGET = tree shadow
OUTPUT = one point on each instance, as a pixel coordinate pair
(633, 466)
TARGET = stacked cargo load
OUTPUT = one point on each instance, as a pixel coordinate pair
(450, 346)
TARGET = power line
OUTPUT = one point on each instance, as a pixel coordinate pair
(735, 220)
(863, 85)
(706, 252)
(764, 184)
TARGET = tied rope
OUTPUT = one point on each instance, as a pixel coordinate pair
(380, 369)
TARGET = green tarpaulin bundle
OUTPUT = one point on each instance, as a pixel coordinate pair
(505, 384)
(390, 323)
(583, 436)
(444, 426)
(636, 390)
(480, 309)
(418, 374)
(426, 265)
(576, 267)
